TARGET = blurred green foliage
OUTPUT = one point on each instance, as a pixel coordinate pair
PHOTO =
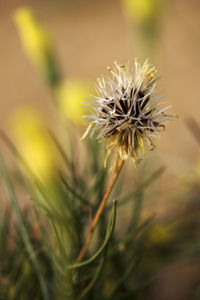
(39, 245)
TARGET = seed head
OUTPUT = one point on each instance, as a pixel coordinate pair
(127, 111)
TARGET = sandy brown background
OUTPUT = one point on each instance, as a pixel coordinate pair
(89, 35)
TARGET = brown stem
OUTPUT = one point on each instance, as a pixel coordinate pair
(117, 169)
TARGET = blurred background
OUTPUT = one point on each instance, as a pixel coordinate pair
(88, 36)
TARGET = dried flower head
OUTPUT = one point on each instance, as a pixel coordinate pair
(127, 111)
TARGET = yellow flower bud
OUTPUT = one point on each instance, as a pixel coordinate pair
(70, 96)
(36, 42)
(34, 144)
(160, 234)
(142, 10)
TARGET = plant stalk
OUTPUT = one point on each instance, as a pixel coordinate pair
(118, 167)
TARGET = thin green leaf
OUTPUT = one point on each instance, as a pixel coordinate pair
(141, 187)
(132, 292)
(94, 279)
(99, 177)
(109, 232)
(73, 192)
(4, 232)
(123, 277)
(60, 149)
(23, 231)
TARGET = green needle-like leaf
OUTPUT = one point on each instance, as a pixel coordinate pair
(109, 232)
(23, 231)
(94, 278)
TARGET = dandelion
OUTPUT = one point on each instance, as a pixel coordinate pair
(128, 112)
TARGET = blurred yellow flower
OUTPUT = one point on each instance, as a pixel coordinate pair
(34, 144)
(36, 41)
(160, 234)
(70, 95)
(142, 10)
